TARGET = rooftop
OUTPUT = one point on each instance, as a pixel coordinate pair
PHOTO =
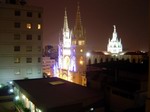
(55, 92)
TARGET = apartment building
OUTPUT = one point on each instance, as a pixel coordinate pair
(20, 41)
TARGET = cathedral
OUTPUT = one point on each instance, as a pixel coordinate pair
(114, 45)
(71, 52)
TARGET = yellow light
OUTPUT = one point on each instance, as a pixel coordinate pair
(39, 26)
(29, 26)
(81, 62)
(81, 50)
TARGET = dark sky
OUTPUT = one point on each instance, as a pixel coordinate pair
(98, 18)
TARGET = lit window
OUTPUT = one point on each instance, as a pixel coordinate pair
(29, 48)
(17, 60)
(29, 26)
(39, 26)
(16, 48)
(81, 60)
(81, 42)
(16, 36)
(81, 50)
(29, 60)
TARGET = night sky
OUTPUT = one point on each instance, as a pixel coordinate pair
(98, 18)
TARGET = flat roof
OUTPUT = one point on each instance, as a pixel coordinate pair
(54, 92)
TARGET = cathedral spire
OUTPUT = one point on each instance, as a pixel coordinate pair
(78, 24)
(65, 28)
(114, 37)
(114, 28)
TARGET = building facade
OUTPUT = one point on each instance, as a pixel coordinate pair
(114, 45)
(71, 52)
(20, 41)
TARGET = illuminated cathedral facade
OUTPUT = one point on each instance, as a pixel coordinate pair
(114, 45)
(71, 52)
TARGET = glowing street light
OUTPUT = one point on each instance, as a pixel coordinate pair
(88, 54)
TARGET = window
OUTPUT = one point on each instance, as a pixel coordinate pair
(74, 42)
(29, 37)
(16, 60)
(81, 60)
(39, 37)
(29, 60)
(39, 48)
(81, 50)
(16, 48)
(29, 26)
(16, 36)
(39, 15)
(39, 71)
(17, 13)
(17, 25)
(39, 60)
(29, 71)
(17, 71)
(39, 26)
(29, 14)
(29, 48)
(81, 42)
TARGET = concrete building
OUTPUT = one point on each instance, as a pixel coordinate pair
(100, 57)
(56, 95)
(20, 40)
(48, 65)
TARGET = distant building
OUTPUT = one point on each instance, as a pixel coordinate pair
(21, 40)
(51, 51)
(114, 45)
(132, 57)
(48, 65)
(56, 95)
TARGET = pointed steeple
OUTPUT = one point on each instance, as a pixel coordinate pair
(65, 28)
(78, 24)
(114, 38)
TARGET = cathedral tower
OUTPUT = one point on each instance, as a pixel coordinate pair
(79, 45)
(114, 45)
(71, 53)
